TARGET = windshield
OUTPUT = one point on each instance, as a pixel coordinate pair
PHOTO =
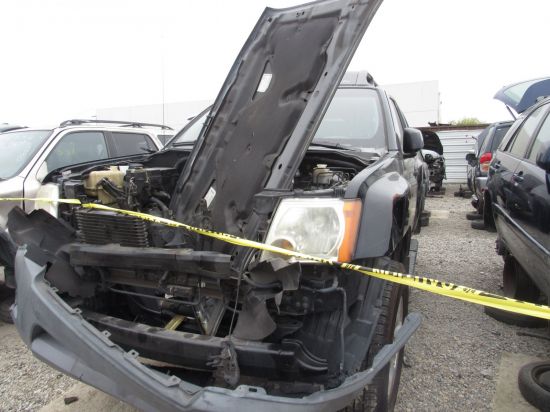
(191, 131)
(353, 118)
(18, 148)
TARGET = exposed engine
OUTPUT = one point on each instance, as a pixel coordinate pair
(163, 284)
(131, 187)
(436, 166)
(433, 156)
(317, 173)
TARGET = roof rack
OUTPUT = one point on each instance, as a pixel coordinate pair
(75, 122)
(358, 78)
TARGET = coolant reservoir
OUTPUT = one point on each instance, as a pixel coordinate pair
(90, 184)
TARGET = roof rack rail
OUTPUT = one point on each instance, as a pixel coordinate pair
(74, 122)
(358, 78)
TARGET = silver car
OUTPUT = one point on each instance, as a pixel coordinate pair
(29, 155)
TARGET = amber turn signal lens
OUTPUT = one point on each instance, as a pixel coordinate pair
(352, 215)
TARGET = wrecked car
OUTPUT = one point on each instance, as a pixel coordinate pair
(28, 155)
(288, 155)
(433, 156)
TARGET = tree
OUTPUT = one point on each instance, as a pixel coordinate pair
(467, 121)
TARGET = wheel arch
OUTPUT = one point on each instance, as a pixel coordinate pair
(385, 218)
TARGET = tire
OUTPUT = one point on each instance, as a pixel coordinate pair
(381, 394)
(534, 384)
(516, 282)
(487, 213)
(424, 221)
(517, 285)
(5, 305)
(515, 319)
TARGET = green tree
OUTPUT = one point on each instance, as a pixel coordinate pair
(467, 121)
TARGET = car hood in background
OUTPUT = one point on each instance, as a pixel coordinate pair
(267, 112)
(432, 142)
(520, 96)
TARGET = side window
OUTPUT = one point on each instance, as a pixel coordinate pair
(396, 121)
(518, 146)
(500, 132)
(486, 141)
(77, 147)
(541, 141)
(126, 144)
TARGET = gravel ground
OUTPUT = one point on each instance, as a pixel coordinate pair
(452, 359)
(26, 383)
(454, 356)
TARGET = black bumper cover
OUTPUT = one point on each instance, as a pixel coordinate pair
(61, 337)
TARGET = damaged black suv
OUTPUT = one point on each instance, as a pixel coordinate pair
(290, 155)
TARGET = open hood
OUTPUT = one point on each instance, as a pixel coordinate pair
(267, 112)
(432, 142)
(520, 96)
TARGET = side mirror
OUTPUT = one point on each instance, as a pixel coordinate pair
(412, 140)
(543, 159)
(471, 159)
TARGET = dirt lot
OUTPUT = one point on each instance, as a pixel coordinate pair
(452, 361)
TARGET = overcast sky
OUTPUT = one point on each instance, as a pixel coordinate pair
(63, 59)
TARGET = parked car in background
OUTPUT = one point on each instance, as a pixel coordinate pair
(433, 156)
(470, 175)
(518, 190)
(294, 158)
(28, 156)
(517, 97)
(478, 164)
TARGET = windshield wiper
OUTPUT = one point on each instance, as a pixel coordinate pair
(338, 146)
(192, 142)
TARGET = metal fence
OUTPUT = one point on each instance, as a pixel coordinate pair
(456, 144)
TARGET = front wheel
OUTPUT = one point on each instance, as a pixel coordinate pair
(385, 386)
(381, 394)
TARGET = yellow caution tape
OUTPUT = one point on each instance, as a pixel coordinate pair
(430, 285)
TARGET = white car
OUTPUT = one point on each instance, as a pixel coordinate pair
(29, 155)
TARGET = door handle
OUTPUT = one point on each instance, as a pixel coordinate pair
(518, 177)
(496, 166)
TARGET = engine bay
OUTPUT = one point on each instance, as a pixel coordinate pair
(135, 271)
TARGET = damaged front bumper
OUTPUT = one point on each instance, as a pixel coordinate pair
(60, 336)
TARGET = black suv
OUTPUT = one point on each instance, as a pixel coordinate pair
(290, 155)
(519, 192)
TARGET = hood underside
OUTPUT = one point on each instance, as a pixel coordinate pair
(432, 142)
(267, 111)
(520, 96)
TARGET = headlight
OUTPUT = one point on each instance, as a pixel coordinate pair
(324, 228)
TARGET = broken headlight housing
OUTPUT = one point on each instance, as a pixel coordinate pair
(320, 227)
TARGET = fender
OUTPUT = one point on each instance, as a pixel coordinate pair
(384, 217)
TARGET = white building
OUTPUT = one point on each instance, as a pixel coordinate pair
(175, 115)
(419, 102)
